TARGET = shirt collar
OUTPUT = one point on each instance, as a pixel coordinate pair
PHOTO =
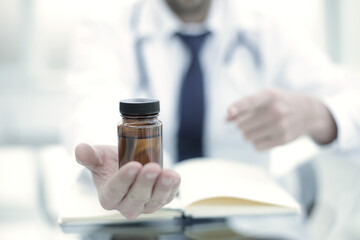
(157, 19)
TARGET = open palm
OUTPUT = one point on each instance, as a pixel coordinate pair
(133, 189)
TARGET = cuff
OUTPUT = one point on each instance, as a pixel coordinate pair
(343, 108)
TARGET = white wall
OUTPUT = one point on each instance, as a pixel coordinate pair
(350, 32)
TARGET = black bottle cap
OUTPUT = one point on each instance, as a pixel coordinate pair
(139, 106)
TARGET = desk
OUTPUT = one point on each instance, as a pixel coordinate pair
(284, 227)
(337, 214)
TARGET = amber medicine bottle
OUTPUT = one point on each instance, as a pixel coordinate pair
(140, 132)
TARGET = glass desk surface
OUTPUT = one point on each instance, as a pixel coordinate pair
(280, 227)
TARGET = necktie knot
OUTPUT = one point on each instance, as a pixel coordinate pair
(193, 42)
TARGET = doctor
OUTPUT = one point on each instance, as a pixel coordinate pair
(231, 82)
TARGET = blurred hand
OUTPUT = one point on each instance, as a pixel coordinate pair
(133, 189)
(275, 117)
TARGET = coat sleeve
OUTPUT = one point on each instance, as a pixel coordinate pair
(300, 66)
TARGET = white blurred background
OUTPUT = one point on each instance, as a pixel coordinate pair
(35, 42)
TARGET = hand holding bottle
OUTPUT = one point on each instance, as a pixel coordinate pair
(133, 189)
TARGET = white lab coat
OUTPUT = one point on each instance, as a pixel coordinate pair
(105, 70)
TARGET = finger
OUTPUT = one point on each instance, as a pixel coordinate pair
(115, 189)
(266, 131)
(88, 156)
(164, 185)
(261, 133)
(96, 157)
(257, 120)
(174, 190)
(249, 104)
(280, 139)
(264, 145)
(140, 192)
(107, 152)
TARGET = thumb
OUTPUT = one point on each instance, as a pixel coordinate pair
(88, 156)
(231, 112)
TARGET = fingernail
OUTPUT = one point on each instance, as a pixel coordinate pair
(166, 181)
(78, 161)
(132, 172)
(151, 176)
(261, 147)
(232, 111)
(177, 180)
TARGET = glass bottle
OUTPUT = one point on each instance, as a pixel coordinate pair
(140, 132)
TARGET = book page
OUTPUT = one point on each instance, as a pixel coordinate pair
(216, 182)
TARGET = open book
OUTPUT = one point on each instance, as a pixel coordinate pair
(209, 188)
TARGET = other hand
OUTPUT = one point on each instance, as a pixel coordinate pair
(275, 117)
(133, 189)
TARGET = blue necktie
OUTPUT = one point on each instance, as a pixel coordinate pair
(192, 102)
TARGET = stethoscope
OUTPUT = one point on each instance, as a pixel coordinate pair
(241, 39)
